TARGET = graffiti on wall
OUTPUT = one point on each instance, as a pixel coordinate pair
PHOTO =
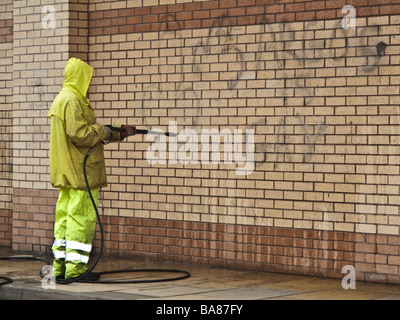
(340, 43)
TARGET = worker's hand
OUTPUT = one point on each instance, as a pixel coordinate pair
(109, 135)
(129, 131)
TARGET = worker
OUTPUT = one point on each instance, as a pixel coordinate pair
(73, 132)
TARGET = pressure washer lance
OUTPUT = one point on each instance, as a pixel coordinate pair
(143, 131)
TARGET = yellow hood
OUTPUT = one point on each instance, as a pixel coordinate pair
(78, 75)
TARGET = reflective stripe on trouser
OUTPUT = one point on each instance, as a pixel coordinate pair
(73, 231)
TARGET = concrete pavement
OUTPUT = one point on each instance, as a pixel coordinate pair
(205, 284)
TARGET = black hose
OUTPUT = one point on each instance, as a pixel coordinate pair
(9, 280)
(6, 280)
(81, 278)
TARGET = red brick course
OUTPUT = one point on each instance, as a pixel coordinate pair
(6, 30)
(228, 13)
(5, 228)
(287, 250)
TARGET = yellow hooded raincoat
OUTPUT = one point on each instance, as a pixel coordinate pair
(74, 131)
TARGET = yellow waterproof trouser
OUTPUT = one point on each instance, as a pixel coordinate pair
(73, 231)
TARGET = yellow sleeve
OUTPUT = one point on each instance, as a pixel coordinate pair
(81, 126)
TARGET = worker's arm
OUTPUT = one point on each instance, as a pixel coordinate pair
(79, 131)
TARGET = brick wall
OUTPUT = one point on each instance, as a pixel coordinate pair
(322, 101)
(40, 53)
(6, 71)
